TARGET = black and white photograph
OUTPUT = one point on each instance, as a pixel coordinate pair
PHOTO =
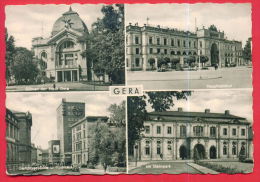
(65, 134)
(195, 132)
(78, 47)
(189, 46)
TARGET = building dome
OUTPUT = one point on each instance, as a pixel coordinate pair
(69, 19)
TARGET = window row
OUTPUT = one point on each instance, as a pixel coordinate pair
(197, 131)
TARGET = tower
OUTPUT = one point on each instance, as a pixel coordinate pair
(67, 114)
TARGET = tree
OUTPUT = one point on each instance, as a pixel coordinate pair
(203, 59)
(105, 44)
(247, 52)
(190, 60)
(137, 113)
(24, 70)
(9, 55)
(117, 114)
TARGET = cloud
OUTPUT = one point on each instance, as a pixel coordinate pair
(43, 107)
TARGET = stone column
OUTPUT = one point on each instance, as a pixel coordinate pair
(206, 149)
(62, 72)
(71, 75)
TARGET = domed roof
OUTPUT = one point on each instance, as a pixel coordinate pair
(69, 19)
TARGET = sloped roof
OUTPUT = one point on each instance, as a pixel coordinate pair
(195, 114)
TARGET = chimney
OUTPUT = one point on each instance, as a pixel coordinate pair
(207, 110)
(227, 112)
(179, 109)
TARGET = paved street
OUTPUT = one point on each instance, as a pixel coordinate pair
(238, 77)
(72, 86)
(56, 171)
(164, 167)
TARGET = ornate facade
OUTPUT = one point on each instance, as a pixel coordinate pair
(146, 44)
(175, 135)
(61, 53)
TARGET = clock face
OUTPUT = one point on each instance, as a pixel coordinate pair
(77, 111)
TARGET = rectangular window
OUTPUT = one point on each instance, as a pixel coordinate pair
(200, 44)
(212, 131)
(137, 62)
(165, 51)
(164, 41)
(137, 51)
(147, 150)
(150, 40)
(172, 42)
(158, 128)
(158, 41)
(224, 131)
(189, 44)
(136, 40)
(184, 43)
(169, 130)
(151, 50)
(243, 132)
(183, 131)
(147, 129)
(178, 43)
(158, 150)
(194, 44)
(158, 51)
(234, 132)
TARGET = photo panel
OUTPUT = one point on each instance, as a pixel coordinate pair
(195, 132)
(77, 47)
(65, 134)
(189, 46)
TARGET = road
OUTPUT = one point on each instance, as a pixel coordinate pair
(164, 167)
(56, 171)
(73, 86)
(205, 79)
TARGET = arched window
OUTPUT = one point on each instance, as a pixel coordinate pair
(234, 150)
(68, 44)
(198, 130)
(225, 150)
(172, 52)
(43, 55)
(178, 53)
(184, 53)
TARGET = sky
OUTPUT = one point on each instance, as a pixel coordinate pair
(25, 22)
(43, 107)
(234, 19)
(238, 102)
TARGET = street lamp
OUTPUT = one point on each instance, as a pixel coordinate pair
(136, 149)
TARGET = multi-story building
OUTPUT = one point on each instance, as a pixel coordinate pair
(81, 137)
(174, 135)
(34, 154)
(45, 157)
(39, 156)
(12, 139)
(54, 152)
(147, 44)
(61, 53)
(25, 147)
(68, 113)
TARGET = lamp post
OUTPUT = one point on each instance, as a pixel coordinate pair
(136, 149)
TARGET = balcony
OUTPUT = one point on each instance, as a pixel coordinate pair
(73, 66)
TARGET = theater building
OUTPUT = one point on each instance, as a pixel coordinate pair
(147, 44)
(176, 135)
(81, 136)
(61, 53)
(68, 113)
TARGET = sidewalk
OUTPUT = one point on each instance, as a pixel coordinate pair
(202, 169)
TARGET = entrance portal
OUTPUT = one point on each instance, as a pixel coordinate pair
(183, 152)
(199, 152)
(212, 152)
(214, 54)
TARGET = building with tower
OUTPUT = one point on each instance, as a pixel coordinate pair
(54, 152)
(176, 135)
(68, 113)
(147, 44)
(61, 53)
